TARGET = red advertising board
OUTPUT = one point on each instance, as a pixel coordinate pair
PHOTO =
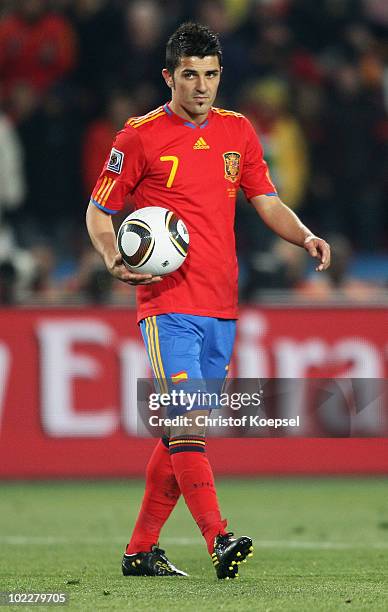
(68, 391)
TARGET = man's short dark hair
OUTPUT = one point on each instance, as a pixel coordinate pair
(191, 39)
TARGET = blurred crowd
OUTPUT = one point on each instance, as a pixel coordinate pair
(311, 76)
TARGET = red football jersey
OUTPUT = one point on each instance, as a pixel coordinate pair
(195, 171)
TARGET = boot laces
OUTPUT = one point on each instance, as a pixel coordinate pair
(224, 539)
(157, 550)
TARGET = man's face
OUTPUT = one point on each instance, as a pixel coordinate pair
(194, 83)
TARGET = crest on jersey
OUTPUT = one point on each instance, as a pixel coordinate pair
(115, 162)
(232, 165)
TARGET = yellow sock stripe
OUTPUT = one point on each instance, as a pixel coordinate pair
(189, 441)
(108, 192)
(158, 355)
(187, 438)
(186, 444)
(174, 442)
(151, 349)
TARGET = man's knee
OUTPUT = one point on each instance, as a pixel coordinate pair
(192, 424)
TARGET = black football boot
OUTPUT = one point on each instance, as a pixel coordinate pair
(228, 553)
(153, 563)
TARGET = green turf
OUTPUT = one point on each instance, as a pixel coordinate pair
(319, 545)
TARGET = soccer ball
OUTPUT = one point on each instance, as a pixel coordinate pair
(153, 240)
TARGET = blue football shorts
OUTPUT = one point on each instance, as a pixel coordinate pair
(189, 353)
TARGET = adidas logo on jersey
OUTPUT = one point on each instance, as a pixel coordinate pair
(201, 144)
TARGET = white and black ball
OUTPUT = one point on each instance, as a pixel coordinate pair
(153, 240)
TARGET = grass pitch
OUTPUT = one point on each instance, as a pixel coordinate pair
(319, 545)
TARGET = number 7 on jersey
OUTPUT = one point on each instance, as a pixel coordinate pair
(174, 168)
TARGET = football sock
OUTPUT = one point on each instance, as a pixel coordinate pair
(160, 498)
(196, 482)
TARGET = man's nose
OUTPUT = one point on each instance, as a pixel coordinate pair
(201, 84)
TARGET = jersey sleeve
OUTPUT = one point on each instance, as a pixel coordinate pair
(123, 169)
(255, 178)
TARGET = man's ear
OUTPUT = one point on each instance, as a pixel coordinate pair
(168, 78)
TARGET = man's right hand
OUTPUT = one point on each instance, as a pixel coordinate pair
(117, 268)
(102, 234)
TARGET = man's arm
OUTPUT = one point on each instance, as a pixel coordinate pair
(286, 224)
(102, 235)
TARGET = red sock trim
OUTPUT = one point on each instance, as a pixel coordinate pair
(188, 444)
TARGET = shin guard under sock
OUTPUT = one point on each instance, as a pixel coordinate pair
(160, 497)
(196, 482)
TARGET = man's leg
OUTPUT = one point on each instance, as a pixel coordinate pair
(195, 478)
(175, 344)
(187, 444)
(160, 497)
(142, 556)
(196, 482)
(228, 552)
(178, 342)
(161, 488)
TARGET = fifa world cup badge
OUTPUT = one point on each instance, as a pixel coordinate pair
(232, 165)
(115, 162)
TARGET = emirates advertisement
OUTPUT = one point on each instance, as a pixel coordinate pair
(69, 394)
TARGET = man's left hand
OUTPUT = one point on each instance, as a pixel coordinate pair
(320, 249)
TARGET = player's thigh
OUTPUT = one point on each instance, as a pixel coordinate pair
(217, 352)
(174, 345)
(173, 348)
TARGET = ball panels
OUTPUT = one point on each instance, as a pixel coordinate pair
(153, 240)
(137, 242)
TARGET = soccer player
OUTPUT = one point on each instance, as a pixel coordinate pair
(192, 158)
